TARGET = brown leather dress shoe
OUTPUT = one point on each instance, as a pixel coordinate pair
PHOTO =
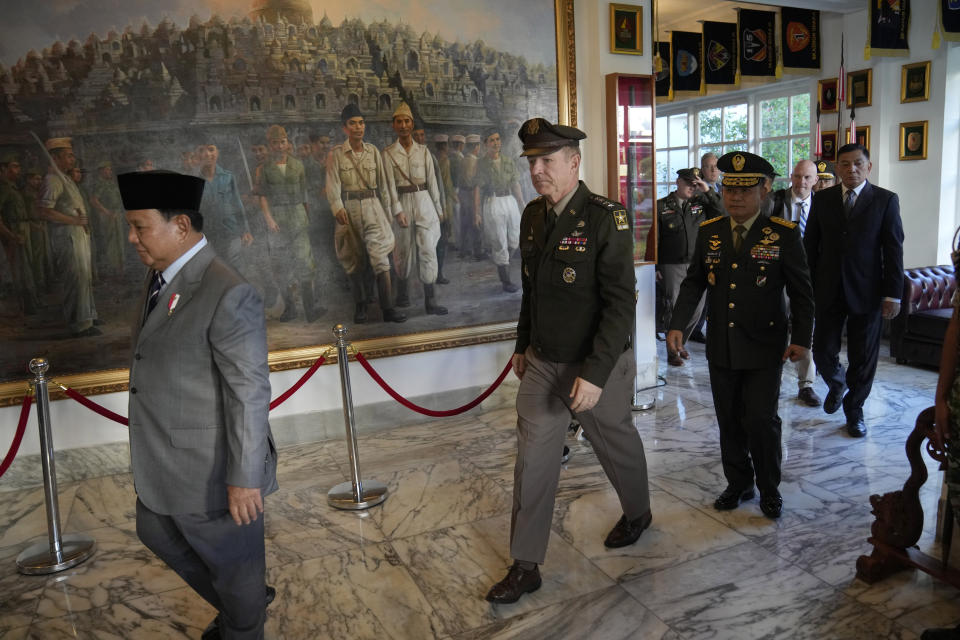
(517, 582)
(626, 532)
(809, 397)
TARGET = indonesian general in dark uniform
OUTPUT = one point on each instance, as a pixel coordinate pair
(573, 350)
(745, 262)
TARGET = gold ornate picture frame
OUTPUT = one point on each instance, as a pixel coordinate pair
(92, 365)
(913, 140)
(915, 82)
(860, 88)
(626, 29)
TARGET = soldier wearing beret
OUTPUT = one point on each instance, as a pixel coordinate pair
(201, 450)
(573, 352)
(745, 262)
(679, 215)
(360, 191)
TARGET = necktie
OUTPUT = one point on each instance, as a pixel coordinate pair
(549, 222)
(802, 216)
(156, 283)
(849, 202)
(738, 232)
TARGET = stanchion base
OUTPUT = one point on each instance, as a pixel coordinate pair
(37, 559)
(341, 496)
(643, 405)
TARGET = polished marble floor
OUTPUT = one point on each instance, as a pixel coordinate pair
(417, 567)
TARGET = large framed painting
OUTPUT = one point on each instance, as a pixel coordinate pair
(195, 87)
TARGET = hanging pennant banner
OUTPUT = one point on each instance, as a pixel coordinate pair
(720, 52)
(663, 76)
(687, 67)
(889, 22)
(758, 52)
(950, 19)
(800, 38)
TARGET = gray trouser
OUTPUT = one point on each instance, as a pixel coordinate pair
(806, 372)
(673, 275)
(222, 561)
(543, 415)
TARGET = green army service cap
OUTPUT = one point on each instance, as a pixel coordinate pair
(826, 169)
(691, 174)
(744, 169)
(540, 137)
(9, 157)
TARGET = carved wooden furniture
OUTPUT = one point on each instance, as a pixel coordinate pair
(898, 520)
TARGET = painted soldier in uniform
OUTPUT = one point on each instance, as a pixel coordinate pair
(106, 202)
(416, 209)
(225, 221)
(15, 233)
(282, 188)
(467, 194)
(359, 190)
(448, 225)
(40, 253)
(745, 262)
(573, 351)
(63, 207)
(679, 215)
(497, 204)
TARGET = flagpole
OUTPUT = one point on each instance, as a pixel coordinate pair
(841, 93)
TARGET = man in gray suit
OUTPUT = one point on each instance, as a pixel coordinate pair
(201, 449)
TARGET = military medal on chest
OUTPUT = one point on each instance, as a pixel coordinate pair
(569, 275)
(713, 258)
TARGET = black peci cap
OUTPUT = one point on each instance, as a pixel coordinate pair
(160, 190)
(350, 111)
(540, 137)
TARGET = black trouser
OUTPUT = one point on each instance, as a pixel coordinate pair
(222, 561)
(863, 348)
(746, 404)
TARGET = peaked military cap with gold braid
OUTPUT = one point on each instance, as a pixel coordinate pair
(744, 169)
(826, 169)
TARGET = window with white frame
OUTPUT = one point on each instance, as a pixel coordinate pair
(673, 150)
(775, 126)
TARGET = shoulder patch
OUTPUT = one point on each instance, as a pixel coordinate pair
(786, 223)
(711, 220)
(620, 218)
(605, 202)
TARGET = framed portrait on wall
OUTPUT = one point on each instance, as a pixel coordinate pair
(915, 82)
(913, 140)
(626, 29)
(828, 142)
(827, 91)
(859, 88)
(167, 89)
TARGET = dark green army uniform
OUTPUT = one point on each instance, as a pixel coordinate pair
(576, 320)
(748, 330)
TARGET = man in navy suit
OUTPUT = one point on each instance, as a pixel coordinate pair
(854, 243)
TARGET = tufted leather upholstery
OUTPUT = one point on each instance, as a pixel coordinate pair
(916, 335)
(928, 288)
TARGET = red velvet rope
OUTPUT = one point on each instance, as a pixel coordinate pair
(18, 436)
(431, 412)
(96, 408)
(299, 383)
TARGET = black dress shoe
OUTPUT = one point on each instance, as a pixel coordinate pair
(834, 399)
(697, 336)
(731, 498)
(212, 632)
(626, 532)
(856, 428)
(517, 582)
(771, 505)
(565, 456)
(809, 397)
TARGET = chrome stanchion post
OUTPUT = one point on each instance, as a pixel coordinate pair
(60, 551)
(357, 493)
(638, 403)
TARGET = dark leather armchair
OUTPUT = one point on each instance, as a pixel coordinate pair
(916, 335)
